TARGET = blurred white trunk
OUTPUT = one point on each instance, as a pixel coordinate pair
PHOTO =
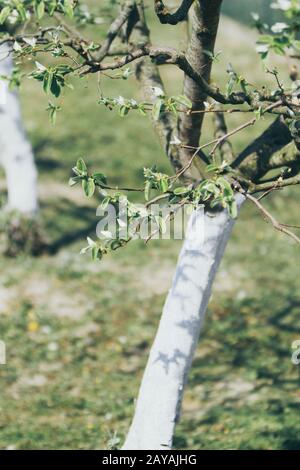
(16, 154)
(160, 395)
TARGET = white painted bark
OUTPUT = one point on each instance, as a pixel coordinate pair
(16, 154)
(160, 395)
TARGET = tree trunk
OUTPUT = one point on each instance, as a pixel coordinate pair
(16, 154)
(162, 387)
(204, 21)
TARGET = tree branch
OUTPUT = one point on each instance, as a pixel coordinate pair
(197, 64)
(279, 184)
(254, 160)
(165, 17)
(126, 9)
(169, 56)
(221, 132)
(270, 218)
(148, 76)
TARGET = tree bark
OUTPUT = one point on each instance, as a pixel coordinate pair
(205, 21)
(16, 154)
(162, 387)
(148, 75)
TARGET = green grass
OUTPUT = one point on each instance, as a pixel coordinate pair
(78, 333)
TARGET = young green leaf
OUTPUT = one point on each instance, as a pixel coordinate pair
(99, 178)
(40, 10)
(156, 110)
(164, 186)
(4, 14)
(88, 187)
(232, 209)
(182, 99)
(74, 180)
(81, 166)
(180, 191)
(147, 190)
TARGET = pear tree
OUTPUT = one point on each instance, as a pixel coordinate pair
(209, 175)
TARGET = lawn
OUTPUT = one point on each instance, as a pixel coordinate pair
(78, 332)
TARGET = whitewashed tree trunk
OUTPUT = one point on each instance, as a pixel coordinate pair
(161, 392)
(16, 154)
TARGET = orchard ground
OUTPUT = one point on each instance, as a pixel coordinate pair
(78, 333)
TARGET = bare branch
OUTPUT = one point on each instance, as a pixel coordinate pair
(279, 184)
(216, 142)
(253, 161)
(126, 9)
(226, 150)
(270, 218)
(165, 17)
(163, 56)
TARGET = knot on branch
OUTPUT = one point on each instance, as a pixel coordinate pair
(163, 56)
(239, 97)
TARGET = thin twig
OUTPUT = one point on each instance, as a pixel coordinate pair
(269, 217)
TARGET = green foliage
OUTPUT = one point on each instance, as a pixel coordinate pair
(235, 80)
(124, 105)
(20, 11)
(53, 78)
(53, 110)
(162, 104)
(155, 180)
(14, 81)
(56, 43)
(214, 191)
(172, 104)
(281, 36)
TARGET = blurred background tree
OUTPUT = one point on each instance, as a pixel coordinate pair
(241, 10)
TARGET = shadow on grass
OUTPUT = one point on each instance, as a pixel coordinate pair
(285, 318)
(47, 164)
(248, 382)
(66, 223)
(44, 161)
(288, 437)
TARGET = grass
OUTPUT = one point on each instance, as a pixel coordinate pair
(78, 333)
